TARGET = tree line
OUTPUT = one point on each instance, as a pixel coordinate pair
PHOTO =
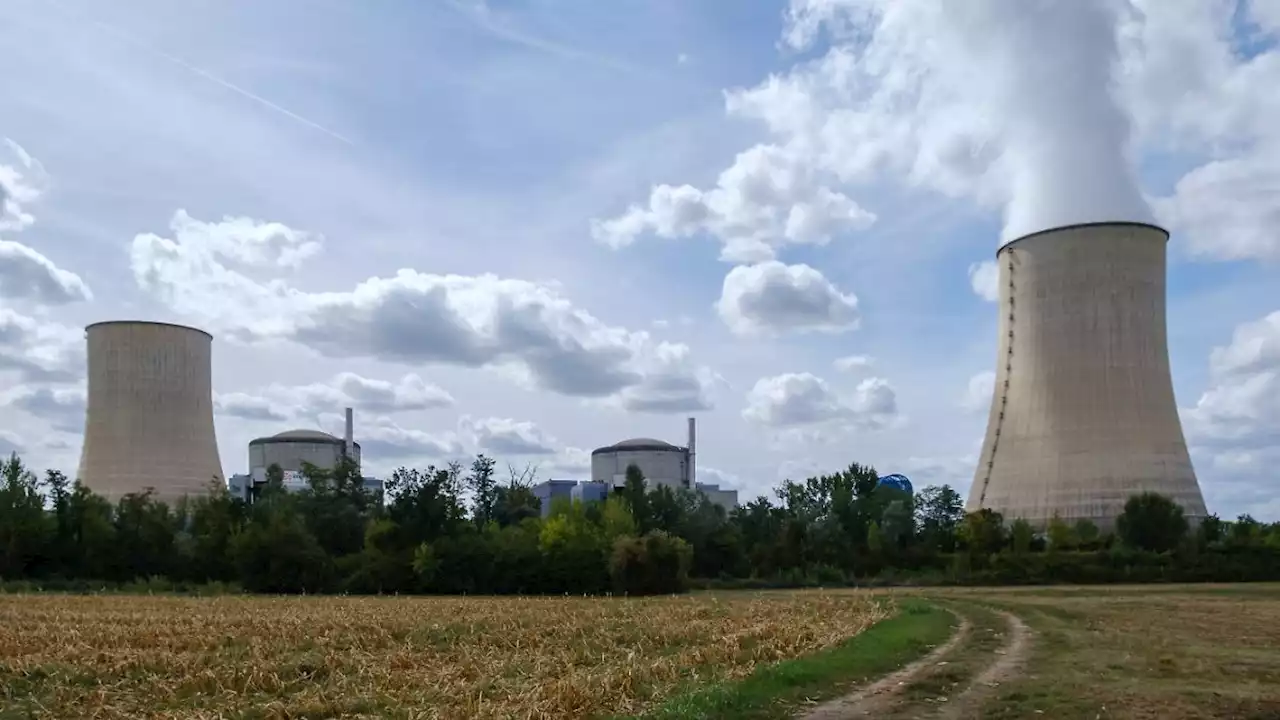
(460, 529)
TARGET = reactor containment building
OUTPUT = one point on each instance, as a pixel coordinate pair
(149, 416)
(1083, 414)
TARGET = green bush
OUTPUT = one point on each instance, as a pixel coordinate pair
(654, 564)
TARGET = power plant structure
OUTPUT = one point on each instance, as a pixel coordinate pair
(149, 412)
(660, 462)
(1083, 414)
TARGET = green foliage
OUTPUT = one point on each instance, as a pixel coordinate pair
(655, 564)
(1152, 522)
(460, 530)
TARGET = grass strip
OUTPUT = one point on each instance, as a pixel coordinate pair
(778, 690)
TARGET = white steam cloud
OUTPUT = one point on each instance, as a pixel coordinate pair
(1009, 102)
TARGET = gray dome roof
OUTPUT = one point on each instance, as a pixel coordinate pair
(639, 444)
(301, 435)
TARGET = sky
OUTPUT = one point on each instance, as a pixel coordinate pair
(531, 228)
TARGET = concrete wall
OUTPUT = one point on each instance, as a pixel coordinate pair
(290, 455)
(660, 467)
(1083, 415)
(727, 499)
(149, 417)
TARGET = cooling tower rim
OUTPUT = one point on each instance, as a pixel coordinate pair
(1082, 226)
(91, 326)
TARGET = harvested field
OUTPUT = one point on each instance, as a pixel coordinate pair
(247, 657)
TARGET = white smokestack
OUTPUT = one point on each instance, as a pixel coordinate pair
(348, 437)
(693, 454)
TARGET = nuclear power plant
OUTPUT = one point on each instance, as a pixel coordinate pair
(149, 416)
(1083, 415)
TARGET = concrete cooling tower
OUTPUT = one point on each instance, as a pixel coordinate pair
(1083, 414)
(149, 418)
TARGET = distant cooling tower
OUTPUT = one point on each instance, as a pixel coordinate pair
(149, 419)
(1083, 415)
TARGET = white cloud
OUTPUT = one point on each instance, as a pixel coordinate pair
(802, 399)
(305, 402)
(1229, 209)
(411, 318)
(61, 406)
(22, 181)
(1192, 89)
(39, 350)
(770, 197)
(984, 278)
(1235, 424)
(978, 394)
(772, 297)
(853, 363)
(504, 437)
(27, 275)
(1240, 411)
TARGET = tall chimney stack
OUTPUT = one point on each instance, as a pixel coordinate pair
(348, 437)
(693, 454)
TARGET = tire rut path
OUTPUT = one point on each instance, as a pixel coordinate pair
(1010, 659)
(880, 695)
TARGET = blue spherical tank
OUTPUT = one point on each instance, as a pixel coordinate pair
(897, 482)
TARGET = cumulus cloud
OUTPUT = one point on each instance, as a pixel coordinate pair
(22, 181)
(1004, 102)
(27, 275)
(1239, 413)
(504, 436)
(771, 196)
(852, 363)
(772, 297)
(802, 399)
(61, 406)
(38, 350)
(1192, 89)
(984, 278)
(977, 396)
(412, 317)
(283, 402)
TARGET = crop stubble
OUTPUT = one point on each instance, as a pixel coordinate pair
(170, 657)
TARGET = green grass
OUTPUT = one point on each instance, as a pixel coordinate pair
(778, 690)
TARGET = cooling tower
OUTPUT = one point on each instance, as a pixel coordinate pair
(149, 418)
(1083, 414)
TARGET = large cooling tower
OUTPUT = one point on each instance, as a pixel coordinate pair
(1083, 415)
(149, 419)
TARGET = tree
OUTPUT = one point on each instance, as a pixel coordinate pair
(983, 532)
(24, 530)
(1153, 522)
(939, 513)
(484, 490)
(1021, 534)
(1061, 535)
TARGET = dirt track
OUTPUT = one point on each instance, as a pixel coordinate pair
(983, 672)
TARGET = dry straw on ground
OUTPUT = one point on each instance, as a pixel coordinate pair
(228, 657)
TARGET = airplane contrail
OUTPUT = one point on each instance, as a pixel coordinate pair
(137, 43)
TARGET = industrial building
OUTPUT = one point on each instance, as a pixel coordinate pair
(149, 411)
(292, 450)
(1083, 415)
(661, 462)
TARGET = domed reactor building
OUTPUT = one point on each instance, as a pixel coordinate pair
(149, 418)
(1083, 415)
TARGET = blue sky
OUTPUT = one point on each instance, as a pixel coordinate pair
(493, 143)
